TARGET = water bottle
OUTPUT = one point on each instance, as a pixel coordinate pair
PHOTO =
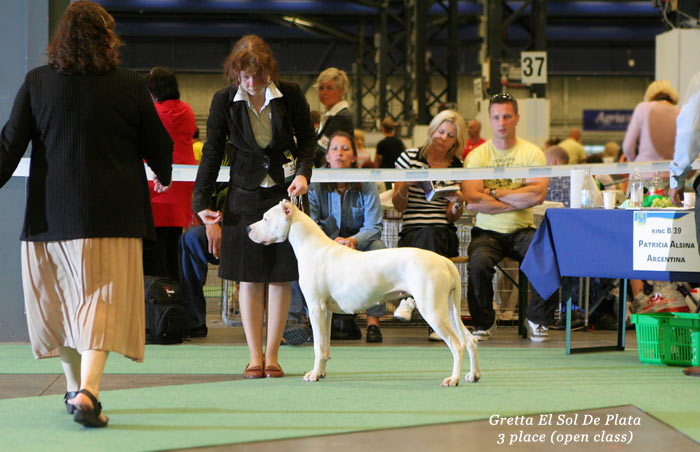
(636, 189)
(657, 186)
(587, 191)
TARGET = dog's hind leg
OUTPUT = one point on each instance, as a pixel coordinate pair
(439, 320)
(468, 341)
(320, 318)
(474, 368)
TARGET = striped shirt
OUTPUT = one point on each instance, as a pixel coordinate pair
(419, 211)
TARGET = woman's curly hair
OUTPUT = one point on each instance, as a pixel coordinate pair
(85, 42)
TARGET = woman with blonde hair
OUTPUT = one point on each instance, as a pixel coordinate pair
(91, 125)
(332, 85)
(651, 133)
(430, 224)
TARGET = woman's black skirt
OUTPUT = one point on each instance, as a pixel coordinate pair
(241, 258)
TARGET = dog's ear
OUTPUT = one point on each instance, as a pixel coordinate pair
(286, 208)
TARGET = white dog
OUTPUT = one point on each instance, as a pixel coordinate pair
(335, 278)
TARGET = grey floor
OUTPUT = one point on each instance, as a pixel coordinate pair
(459, 436)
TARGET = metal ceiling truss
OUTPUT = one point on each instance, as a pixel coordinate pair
(500, 54)
(426, 33)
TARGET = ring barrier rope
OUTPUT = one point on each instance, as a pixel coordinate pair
(188, 173)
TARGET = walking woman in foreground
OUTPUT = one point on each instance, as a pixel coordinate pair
(262, 117)
(91, 125)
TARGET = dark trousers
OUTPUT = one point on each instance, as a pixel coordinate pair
(160, 258)
(194, 256)
(440, 239)
(486, 249)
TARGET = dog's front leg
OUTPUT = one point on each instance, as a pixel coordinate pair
(321, 325)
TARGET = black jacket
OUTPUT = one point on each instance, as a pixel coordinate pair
(341, 121)
(89, 135)
(291, 130)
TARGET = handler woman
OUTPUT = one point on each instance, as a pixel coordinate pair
(262, 117)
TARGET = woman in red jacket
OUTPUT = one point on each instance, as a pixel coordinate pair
(172, 210)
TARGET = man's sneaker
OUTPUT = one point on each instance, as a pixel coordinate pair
(405, 309)
(484, 334)
(433, 336)
(538, 333)
(296, 334)
(576, 322)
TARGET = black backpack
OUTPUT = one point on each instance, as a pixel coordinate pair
(165, 312)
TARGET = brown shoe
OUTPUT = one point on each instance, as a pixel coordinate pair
(253, 372)
(273, 372)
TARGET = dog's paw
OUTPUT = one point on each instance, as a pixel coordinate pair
(450, 381)
(313, 376)
(472, 377)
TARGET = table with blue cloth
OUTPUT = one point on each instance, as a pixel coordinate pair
(588, 242)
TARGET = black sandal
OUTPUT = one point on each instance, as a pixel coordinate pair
(69, 395)
(90, 418)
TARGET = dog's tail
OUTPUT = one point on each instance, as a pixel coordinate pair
(455, 300)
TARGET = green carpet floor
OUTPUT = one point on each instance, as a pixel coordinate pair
(366, 389)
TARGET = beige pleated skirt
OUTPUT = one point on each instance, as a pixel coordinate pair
(85, 294)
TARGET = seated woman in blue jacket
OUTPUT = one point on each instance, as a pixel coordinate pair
(349, 213)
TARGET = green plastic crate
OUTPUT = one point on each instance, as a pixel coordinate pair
(668, 338)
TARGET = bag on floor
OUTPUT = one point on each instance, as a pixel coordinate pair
(165, 311)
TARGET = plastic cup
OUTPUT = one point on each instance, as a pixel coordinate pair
(609, 199)
(688, 199)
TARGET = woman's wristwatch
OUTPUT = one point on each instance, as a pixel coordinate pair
(492, 193)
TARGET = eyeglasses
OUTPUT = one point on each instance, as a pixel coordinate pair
(501, 97)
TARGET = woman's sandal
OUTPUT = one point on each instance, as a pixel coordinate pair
(90, 418)
(68, 396)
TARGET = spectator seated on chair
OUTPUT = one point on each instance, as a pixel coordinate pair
(430, 224)
(350, 214)
(198, 247)
(504, 221)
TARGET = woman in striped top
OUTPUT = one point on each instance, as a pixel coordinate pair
(430, 224)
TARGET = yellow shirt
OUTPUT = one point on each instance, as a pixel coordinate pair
(523, 153)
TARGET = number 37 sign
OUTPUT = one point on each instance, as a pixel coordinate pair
(533, 67)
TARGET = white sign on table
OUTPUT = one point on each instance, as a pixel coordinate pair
(665, 241)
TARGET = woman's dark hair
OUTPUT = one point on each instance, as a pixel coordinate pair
(85, 42)
(252, 55)
(331, 186)
(162, 84)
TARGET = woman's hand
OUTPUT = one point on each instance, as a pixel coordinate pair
(350, 242)
(456, 198)
(299, 186)
(214, 238)
(209, 216)
(399, 197)
(158, 187)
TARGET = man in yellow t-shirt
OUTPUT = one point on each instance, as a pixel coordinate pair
(504, 221)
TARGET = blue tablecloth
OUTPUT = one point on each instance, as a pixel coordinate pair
(586, 242)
